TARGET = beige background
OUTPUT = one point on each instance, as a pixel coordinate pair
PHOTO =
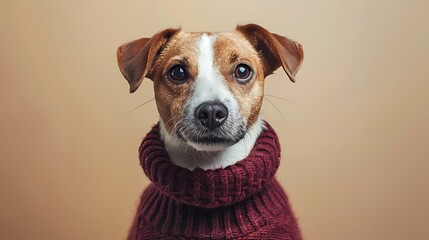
(354, 130)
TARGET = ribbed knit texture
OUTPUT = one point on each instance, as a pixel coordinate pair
(241, 201)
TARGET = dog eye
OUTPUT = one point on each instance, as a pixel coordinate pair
(243, 73)
(177, 73)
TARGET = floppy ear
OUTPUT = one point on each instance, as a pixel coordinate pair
(274, 49)
(135, 58)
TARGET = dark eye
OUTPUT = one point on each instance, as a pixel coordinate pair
(177, 73)
(243, 73)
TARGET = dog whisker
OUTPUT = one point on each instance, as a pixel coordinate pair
(281, 98)
(140, 105)
(281, 115)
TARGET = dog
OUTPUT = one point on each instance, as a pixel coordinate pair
(207, 157)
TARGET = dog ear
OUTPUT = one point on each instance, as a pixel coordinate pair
(135, 58)
(274, 49)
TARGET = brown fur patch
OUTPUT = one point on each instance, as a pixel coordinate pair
(231, 49)
(171, 97)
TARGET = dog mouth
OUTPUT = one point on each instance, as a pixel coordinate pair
(215, 140)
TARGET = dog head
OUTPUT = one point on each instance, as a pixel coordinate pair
(209, 86)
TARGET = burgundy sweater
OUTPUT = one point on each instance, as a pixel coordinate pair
(241, 201)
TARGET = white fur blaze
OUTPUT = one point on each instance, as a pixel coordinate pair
(210, 85)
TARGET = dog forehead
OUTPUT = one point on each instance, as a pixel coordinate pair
(227, 42)
(225, 45)
(232, 48)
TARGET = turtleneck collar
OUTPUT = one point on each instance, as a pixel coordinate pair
(211, 188)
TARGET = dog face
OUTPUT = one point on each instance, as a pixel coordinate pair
(208, 86)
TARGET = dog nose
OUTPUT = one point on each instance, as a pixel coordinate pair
(211, 114)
